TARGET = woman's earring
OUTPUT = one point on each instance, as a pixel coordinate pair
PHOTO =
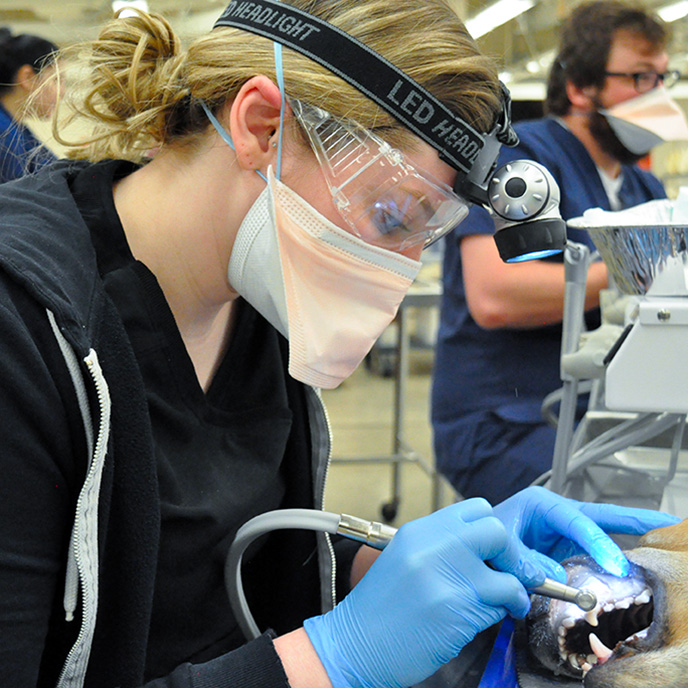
(274, 144)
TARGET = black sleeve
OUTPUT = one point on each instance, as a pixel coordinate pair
(254, 665)
(41, 440)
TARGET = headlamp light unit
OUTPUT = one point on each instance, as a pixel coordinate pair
(524, 211)
(524, 200)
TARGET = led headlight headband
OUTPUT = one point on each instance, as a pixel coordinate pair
(521, 196)
(458, 144)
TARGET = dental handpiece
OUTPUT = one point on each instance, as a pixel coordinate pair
(378, 535)
(585, 599)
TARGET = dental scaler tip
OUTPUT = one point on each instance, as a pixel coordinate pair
(585, 599)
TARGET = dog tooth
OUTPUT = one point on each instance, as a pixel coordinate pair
(609, 607)
(586, 667)
(568, 622)
(562, 642)
(561, 631)
(643, 598)
(592, 659)
(602, 652)
(573, 661)
(591, 617)
(623, 604)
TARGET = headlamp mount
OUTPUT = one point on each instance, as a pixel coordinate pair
(472, 154)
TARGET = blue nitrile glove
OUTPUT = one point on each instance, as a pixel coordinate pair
(558, 527)
(423, 599)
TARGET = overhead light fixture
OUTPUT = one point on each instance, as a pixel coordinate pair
(127, 7)
(495, 15)
(673, 11)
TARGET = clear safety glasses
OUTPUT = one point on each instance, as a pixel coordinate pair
(386, 200)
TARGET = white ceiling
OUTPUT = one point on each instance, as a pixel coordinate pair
(66, 21)
(515, 44)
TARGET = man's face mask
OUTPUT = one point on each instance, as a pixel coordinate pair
(647, 120)
(609, 142)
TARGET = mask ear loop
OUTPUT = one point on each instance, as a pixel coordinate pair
(279, 70)
(279, 73)
(225, 135)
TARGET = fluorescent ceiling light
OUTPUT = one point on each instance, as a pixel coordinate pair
(673, 11)
(127, 7)
(497, 14)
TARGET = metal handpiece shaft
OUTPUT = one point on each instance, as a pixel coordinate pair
(551, 588)
(371, 533)
(379, 535)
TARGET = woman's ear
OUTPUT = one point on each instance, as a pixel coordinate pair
(254, 119)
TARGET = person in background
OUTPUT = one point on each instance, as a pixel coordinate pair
(499, 337)
(26, 67)
(166, 324)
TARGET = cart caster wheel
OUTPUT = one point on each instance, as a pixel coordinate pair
(389, 511)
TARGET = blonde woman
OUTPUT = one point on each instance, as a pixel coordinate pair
(26, 67)
(239, 227)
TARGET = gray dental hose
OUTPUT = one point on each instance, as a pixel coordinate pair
(371, 533)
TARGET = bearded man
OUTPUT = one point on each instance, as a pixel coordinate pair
(499, 342)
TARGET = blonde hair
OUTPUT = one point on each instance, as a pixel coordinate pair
(144, 90)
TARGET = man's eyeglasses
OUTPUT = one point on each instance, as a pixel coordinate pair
(646, 81)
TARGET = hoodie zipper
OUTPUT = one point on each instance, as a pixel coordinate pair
(321, 497)
(74, 669)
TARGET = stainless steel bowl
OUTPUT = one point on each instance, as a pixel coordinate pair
(636, 255)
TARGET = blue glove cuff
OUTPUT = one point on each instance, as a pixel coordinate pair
(319, 633)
